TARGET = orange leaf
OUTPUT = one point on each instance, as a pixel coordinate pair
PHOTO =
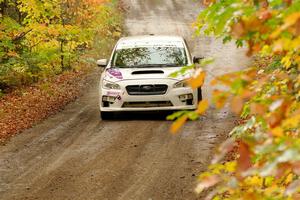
(178, 124)
(214, 82)
(256, 47)
(264, 15)
(252, 23)
(274, 119)
(291, 20)
(247, 94)
(237, 104)
(197, 81)
(257, 109)
(244, 161)
(202, 107)
(296, 167)
(282, 169)
(220, 98)
(238, 30)
(207, 2)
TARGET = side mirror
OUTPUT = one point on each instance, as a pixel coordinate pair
(197, 59)
(102, 62)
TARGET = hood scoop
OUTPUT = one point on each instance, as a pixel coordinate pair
(147, 72)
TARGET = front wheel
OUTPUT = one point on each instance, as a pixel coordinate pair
(199, 91)
(106, 115)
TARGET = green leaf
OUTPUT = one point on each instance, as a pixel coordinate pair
(176, 115)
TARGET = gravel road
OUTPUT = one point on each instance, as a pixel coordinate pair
(75, 155)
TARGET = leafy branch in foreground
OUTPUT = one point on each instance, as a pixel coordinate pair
(266, 145)
(195, 81)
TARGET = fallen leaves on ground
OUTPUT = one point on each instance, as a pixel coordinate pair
(24, 107)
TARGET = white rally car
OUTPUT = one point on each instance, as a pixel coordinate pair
(137, 76)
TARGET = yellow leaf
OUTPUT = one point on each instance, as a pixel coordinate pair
(178, 124)
(278, 131)
(297, 60)
(266, 50)
(117, 34)
(292, 121)
(230, 166)
(202, 107)
(197, 81)
(289, 178)
(254, 181)
(295, 43)
(288, 22)
(286, 61)
(268, 181)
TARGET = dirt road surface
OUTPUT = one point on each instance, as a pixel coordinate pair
(75, 155)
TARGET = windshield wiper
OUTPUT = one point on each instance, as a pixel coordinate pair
(149, 65)
(141, 66)
(155, 65)
(169, 65)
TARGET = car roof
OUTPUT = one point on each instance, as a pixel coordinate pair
(150, 40)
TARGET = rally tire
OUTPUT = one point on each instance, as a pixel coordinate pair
(199, 91)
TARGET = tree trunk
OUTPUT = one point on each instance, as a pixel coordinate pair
(62, 57)
(3, 8)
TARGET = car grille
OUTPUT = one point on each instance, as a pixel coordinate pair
(146, 89)
(147, 104)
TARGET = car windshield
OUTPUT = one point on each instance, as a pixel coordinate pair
(167, 56)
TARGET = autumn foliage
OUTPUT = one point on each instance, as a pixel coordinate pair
(47, 55)
(266, 144)
(40, 39)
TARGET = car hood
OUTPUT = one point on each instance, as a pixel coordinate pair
(120, 74)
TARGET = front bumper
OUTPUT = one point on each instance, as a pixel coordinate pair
(174, 99)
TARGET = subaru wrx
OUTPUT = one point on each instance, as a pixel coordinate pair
(137, 76)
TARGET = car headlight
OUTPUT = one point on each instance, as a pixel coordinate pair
(180, 84)
(110, 85)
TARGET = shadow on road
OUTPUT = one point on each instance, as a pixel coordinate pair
(151, 115)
